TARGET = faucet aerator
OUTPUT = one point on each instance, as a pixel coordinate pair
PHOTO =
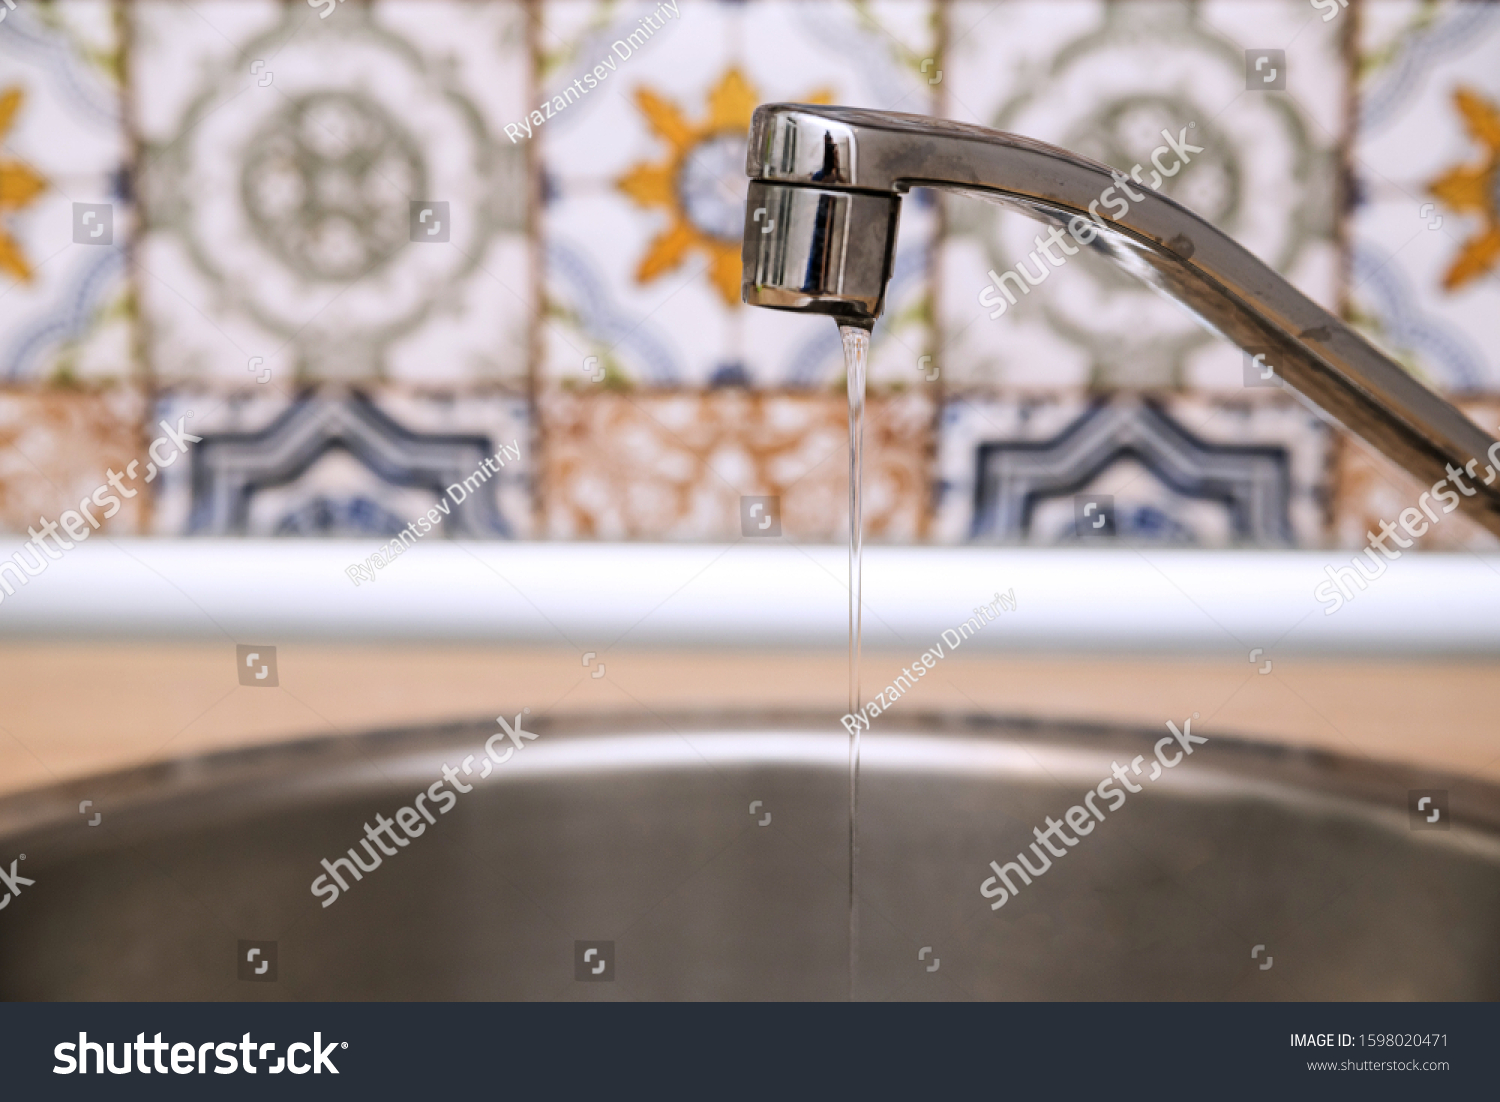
(819, 250)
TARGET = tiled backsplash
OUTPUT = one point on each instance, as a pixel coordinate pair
(369, 243)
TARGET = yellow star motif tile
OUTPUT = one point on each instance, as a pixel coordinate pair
(19, 185)
(700, 182)
(1475, 190)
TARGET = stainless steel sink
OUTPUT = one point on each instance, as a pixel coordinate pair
(642, 834)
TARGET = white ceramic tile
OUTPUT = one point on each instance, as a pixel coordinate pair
(1426, 262)
(1104, 80)
(645, 187)
(63, 298)
(282, 154)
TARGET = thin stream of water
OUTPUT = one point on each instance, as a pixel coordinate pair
(856, 343)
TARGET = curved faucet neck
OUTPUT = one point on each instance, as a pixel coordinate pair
(821, 226)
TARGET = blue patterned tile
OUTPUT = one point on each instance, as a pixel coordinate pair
(337, 464)
(1185, 471)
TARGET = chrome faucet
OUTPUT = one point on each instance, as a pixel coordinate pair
(820, 237)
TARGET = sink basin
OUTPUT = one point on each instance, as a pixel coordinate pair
(704, 857)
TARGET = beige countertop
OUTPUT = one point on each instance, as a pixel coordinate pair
(71, 709)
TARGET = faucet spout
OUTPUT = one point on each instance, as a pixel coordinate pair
(820, 236)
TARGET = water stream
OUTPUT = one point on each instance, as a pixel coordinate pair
(856, 342)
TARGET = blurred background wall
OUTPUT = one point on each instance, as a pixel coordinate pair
(359, 246)
(325, 231)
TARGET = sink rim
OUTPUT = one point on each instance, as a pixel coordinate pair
(218, 785)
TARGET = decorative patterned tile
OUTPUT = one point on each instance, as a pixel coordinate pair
(1370, 489)
(282, 153)
(1105, 80)
(676, 466)
(645, 185)
(64, 220)
(345, 464)
(1426, 263)
(1192, 471)
(58, 447)
(333, 198)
